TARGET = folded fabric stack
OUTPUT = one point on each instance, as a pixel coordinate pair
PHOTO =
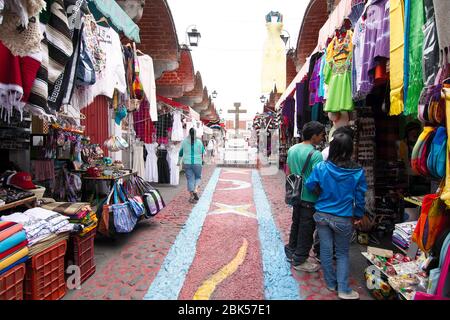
(42, 228)
(80, 214)
(403, 233)
(13, 245)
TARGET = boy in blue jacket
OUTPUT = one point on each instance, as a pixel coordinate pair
(341, 186)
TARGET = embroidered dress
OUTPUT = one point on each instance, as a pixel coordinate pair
(337, 73)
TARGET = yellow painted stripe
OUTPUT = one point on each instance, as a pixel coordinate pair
(207, 288)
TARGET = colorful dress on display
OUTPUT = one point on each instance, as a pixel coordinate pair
(337, 74)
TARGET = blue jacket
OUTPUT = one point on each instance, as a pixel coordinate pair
(342, 190)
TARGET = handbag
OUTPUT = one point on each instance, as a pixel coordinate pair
(153, 201)
(85, 72)
(136, 207)
(124, 219)
(294, 184)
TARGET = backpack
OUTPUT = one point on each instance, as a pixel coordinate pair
(294, 185)
(438, 153)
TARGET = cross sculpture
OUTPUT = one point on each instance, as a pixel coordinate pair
(236, 110)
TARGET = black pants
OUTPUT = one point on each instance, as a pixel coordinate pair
(302, 230)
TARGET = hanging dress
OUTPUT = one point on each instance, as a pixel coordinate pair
(177, 127)
(274, 58)
(138, 159)
(151, 165)
(163, 167)
(172, 159)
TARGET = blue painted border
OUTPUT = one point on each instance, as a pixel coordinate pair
(170, 278)
(279, 284)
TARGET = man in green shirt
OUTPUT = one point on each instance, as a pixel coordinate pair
(303, 225)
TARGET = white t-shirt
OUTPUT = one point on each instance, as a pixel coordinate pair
(325, 153)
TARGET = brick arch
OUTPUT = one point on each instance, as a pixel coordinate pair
(314, 18)
(159, 36)
(291, 71)
(194, 96)
(203, 105)
(173, 84)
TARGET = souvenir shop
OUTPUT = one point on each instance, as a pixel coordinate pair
(389, 82)
(84, 139)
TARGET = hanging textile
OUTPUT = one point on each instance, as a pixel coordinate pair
(337, 73)
(430, 56)
(441, 12)
(356, 11)
(414, 39)
(274, 57)
(113, 75)
(20, 29)
(147, 76)
(151, 163)
(397, 56)
(371, 46)
(16, 79)
(138, 159)
(172, 158)
(143, 124)
(163, 167)
(177, 127)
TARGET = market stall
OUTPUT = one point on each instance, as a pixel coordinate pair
(376, 76)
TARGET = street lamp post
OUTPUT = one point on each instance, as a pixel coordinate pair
(214, 94)
(286, 38)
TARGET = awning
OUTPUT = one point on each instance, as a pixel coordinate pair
(118, 19)
(172, 103)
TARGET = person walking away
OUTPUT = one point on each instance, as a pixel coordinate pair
(302, 228)
(341, 185)
(192, 151)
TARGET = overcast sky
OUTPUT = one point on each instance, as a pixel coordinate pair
(229, 55)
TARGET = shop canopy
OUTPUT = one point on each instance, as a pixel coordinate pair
(117, 18)
(174, 104)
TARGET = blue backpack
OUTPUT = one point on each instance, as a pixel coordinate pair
(438, 153)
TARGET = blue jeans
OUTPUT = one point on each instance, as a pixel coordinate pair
(337, 231)
(193, 175)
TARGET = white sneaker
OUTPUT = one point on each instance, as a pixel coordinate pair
(352, 295)
(307, 267)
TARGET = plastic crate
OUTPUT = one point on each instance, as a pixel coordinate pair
(44, 277)
(81, 254)
(11, 283)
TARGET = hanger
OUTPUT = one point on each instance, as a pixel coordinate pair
(103, 19)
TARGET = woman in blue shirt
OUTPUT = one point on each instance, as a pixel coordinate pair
(192, 151)
(341, 185)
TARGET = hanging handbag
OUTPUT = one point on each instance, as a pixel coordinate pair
(85, 72)
(294, 184)
(136, 207)
(105, 218)
(153, 201)
(124, 219)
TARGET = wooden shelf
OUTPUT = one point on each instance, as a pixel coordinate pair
(18, 203)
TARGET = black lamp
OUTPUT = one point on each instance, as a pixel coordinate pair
(214, 94)
(193, 36)
(262, 99)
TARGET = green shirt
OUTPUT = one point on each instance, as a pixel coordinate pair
(192, 153)
(297, 155)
